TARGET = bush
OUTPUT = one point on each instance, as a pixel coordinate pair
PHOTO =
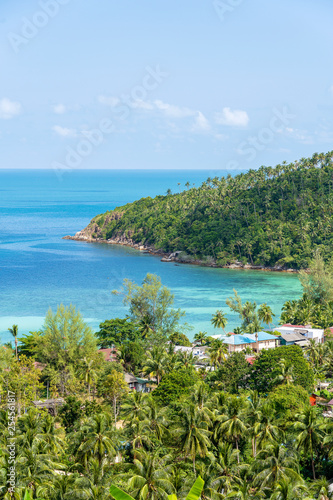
(288, 400)
(175, 385)
(264, 368)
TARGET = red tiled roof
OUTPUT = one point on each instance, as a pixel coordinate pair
(294, 326)
(109, 354)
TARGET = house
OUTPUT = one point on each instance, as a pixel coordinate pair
(109, 354)
(137, 384)
(255, 341)
(293, 339)
(197, 350)
(309, 333)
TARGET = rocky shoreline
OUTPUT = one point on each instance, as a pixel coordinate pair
(175, 257)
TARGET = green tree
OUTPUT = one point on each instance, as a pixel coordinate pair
(288, 401)
(66, 340)
(193, 434)
(88, 372)
(99, 440)
(310, 434)
(265, 314)
(274, 464)
(264, 368)
(174, 386)
(14, 331)
(150, 479)
(178, 338)
(200, 338)
(114, 389)
(152, 303)
(231, 425)
(231, 375)
(117, 332)
(219, 320)
(155, 362)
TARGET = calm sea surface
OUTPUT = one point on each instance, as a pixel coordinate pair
(39, 270)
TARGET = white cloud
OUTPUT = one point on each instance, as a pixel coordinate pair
(59, 109)
(233, 118)
(173, 111)
(108, 101)
(140, 104)
(64, 132)
(201, 123)
(9, 109)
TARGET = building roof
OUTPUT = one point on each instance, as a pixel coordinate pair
(292, 337)
(238, 340)
(129, 378)
(302, 343)
(248, 338)
(109, 354)
(295, 326)
(261, 336)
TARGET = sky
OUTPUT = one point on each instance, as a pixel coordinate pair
(145, 84)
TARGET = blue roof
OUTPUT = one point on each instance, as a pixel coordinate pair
(261, 336)
(238, 340)
(248, 338)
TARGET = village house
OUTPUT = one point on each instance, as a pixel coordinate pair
(309, 333)
(293, 339)
(137, 384)
(255, 341)
(110, 354)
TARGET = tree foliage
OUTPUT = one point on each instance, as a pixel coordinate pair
(270, 216)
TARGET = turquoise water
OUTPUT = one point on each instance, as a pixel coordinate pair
(39, 270)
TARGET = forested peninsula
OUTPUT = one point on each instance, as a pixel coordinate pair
(266, 218)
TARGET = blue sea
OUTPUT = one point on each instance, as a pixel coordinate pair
(39, 270)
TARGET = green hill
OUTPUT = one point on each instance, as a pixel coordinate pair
(270, 216)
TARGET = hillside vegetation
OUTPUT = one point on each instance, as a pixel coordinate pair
(270, 216)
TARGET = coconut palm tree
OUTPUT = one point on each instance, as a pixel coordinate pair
(244, 491)
(231, 425)
(311, 433)
(88, 373)
(155, 362)
(192, 433)
(217, 352)
(135, 405)
(14, 331)
(219, 320)
(100, 439)
(253, 418)
(321, 489)
(201, 337)
(284, 373)
(150, 479)
(290, 490)
(265, 314)
(267, 432)
(156, 416)
(274, 464)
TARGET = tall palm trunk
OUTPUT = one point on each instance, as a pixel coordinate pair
(237, 450)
